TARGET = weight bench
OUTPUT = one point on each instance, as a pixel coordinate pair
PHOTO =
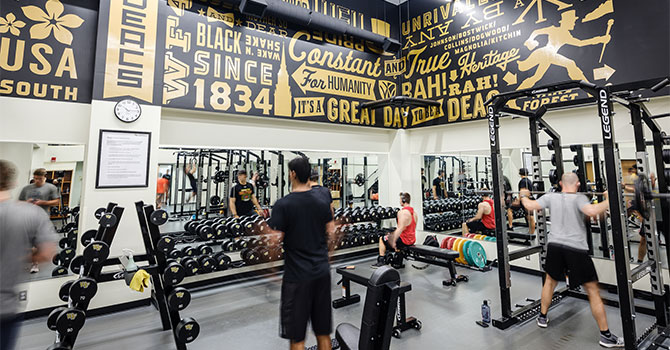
(361, 275)
(376, 330)
(429, 255)
(520, 238)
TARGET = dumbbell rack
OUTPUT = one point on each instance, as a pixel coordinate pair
(170, 319)
(106, 235)
(459, 211)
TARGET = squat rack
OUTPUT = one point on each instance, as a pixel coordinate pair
(625, 276)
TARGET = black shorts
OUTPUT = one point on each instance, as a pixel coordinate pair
(577, 264)
(302, 302)
(478, 226)
(399, 244)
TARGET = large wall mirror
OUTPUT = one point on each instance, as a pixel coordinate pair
(62, 166)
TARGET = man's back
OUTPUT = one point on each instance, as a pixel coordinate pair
(567, 220)
(323, 193)
(303, 216)
(22, 226)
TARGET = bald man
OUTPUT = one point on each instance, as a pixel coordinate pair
(567, 250)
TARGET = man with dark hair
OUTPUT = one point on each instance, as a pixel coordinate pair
(484, 220)
(25, 230)
(40, 192)
(242, 197)
(404, 234)
(323, 192)
(306, 223)
(567, 250)
(439, 188)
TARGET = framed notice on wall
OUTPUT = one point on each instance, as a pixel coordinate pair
(123, 159)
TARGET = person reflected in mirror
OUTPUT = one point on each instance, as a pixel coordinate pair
(42, 194)
(524, 183)
(26, 234)
(162, 190)
(405, 233)
(323, 192)
(190, 173)
(484, 222)
(242, 197)
(439, 188)
(567, 250)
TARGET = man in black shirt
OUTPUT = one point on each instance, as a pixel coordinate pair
(524, 183)
(323, 192)
(242, 197)
(306, 222)
(439, 189)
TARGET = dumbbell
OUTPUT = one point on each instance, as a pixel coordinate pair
(206, 264)
(222, 261)
(228, 246)
(188, 251)
(204, 249)
(174, 273)
(179, 299)
(191, 266)
(249, 256)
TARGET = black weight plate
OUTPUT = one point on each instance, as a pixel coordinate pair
(187, 330)
(205, 249)
(207, 264)
(222, 261)
(175, 254)
(191, 265)
(59, 271)
(64, 291)
(53, 317)
(643, 196)
(83, 289)
(96, 252)
(179, 299)
(63, 242)
(66, 255)
(99, 212)
(87, 237)
(165, 244)
(70, 321)
(188, 251)
(108, 220)
(159, 217)
(174, 273)
(56, 259)
(205, 233)
(76, 263)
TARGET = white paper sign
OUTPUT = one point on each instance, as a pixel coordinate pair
(123, 159)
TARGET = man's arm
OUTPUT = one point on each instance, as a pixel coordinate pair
(593, 41)
(404, 219)
(434, 192)
(231, 205)
(593, 210)
(481, 207)
(531, 43)
(51, 203)
(256, 204)
(43, 237)
(529, 204)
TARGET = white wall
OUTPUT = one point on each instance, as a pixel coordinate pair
(21, 154)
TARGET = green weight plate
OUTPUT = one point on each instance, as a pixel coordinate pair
(477, 255)
(466, 252)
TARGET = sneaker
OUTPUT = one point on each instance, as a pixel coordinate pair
(542, 321)
(381, 261)
(611, 342)
(34, 269)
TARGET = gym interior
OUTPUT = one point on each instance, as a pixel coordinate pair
(164, 131)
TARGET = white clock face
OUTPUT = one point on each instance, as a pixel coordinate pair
(127, 110)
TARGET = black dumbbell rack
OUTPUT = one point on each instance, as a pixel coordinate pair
(170, 319)
(104, 234)
(459, 212)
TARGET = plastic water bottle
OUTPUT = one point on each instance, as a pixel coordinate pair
(486, 312)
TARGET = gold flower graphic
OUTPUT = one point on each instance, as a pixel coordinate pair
(51, 20)
(11, 24)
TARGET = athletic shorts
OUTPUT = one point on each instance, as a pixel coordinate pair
(478, 226)
(302, 302)
(575, 263)
(399, 244)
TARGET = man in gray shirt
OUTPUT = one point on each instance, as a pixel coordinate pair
(26, 234)
(40, 192)
(567, 250)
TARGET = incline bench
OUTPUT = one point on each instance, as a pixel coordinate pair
(429, 255)
(361, 274)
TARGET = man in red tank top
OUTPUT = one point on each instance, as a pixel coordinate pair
(404, 235)
(485, 220)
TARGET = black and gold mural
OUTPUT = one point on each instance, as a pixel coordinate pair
(47, 49)
(462, 52)
(203, 56)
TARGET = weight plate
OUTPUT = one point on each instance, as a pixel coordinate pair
(63, 242)
(66, 255)
(207, 264)
(83, 289)
(222, 261)
(53, 317)
(108, 220)
(466, 252)
(96, 252)
(477, 255)
(179, 299)
(165, 244)
(159, 217)
(87, 237)
(64, 291)
(187, 330)
(70, 321)
(59, 271)
(99, 212)
(174, 273)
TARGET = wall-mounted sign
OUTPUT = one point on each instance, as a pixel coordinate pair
(202, 56)
(47, 48)
(462, 52)
(123, 159)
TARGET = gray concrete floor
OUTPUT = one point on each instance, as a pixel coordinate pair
(245, 316)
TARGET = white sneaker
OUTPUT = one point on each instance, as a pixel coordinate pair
(34, 269)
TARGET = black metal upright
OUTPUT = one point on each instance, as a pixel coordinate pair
(600, 187)
(619, 235)
(538, 185)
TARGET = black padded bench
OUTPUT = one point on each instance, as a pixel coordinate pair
(520, 238)
(430, 255)
(383, 290)
(361, 275)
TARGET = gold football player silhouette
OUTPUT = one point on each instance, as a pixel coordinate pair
(548, 55)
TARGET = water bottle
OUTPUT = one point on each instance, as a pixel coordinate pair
(486, 312)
